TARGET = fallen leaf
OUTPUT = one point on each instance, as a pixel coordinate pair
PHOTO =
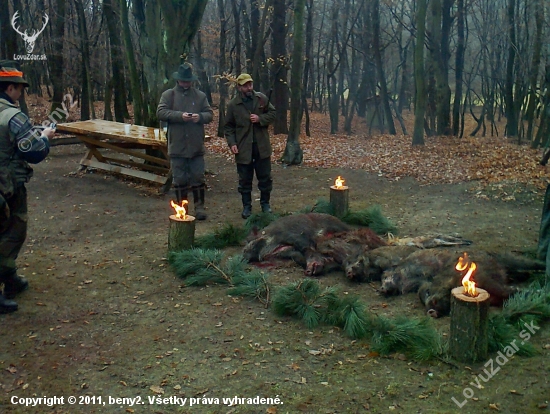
(156, 389)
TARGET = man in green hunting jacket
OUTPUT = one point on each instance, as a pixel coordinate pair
(20, 145)
(186, 110)
(246, 129)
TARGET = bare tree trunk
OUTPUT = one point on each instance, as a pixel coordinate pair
(238, 46)
(380, 68)
(419, 75)
(534, 71)
(459, 65)
(511, 110)
(87, 103)
(203, 77)
(137, 97)
(110, 12)
(56, 60)
(279, 67)
(293, 153)
(222, 63)
(331, 79)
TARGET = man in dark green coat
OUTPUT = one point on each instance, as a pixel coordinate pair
(20, 144)
(186, 110)
(246, 129)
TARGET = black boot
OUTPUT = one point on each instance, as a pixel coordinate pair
(6, 305)
(247, 205)
(181, 194)
(265, 196)
(198, 199)
(13, 285)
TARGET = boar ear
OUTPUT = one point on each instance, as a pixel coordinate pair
(255, 231)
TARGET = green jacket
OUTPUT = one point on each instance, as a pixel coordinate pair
(13, 169)
(185, 139)
(240, 131)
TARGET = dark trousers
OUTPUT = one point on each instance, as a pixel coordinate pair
(188, 172)
(13, 231)
(262, 167)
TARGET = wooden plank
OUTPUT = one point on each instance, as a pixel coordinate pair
(126, 171)
(113, 130)
(141, 166)
(73, 140)
(114, 147)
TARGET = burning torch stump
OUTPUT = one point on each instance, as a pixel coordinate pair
(339, 199)
(469, 322)
(181, 234)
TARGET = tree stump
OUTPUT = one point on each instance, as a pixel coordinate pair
(181, 234)
(469, 322)
(339, 199)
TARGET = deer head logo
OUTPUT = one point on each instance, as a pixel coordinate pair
(29, 39)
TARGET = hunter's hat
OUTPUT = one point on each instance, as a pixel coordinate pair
(185, 73)
(244, 78)
(11, 73)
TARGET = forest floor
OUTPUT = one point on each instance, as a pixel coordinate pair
(106, 317)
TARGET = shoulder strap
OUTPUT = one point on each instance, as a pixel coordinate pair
(172, 95)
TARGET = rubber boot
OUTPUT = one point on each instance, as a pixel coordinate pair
(181, 194)
(247, 205)
(198, 199)
(265, 196)
(6, 305)
(13, 285)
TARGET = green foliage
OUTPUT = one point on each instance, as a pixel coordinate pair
(252, 284)
(351, 315)
(260, 220)
(228, 235)
(371, 217)
(502, 334)
(198, 266)
(306, 300)
(532, 304)
(416, 337)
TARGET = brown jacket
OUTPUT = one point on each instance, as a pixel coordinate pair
(240, 131)
(185, 139)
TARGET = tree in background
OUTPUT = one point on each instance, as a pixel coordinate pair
(293, 153)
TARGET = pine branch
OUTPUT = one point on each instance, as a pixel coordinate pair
(416, 337)
(228, 235)
(254, 285)
(199, 266)
(260, 220)
(371, 217)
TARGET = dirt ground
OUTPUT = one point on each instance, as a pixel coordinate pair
(105, 318)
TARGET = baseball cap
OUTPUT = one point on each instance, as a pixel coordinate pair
(244, 78)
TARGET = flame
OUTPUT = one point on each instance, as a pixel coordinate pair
(339, 182)
(181, 213)
(464, 264)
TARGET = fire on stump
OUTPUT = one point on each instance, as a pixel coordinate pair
(469, 316)
(181, 234)
(339, 197)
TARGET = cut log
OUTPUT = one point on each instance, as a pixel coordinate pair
(339, 199)
(469, 322)
(181, 234)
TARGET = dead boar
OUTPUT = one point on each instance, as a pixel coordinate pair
(494, 273)
(416, 268)
(296, 233)
(368, 265)
(331, 251)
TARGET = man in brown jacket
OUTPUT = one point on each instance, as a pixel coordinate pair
(186, 110)
(248, 117)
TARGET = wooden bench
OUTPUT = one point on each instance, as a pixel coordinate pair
(107, 142)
